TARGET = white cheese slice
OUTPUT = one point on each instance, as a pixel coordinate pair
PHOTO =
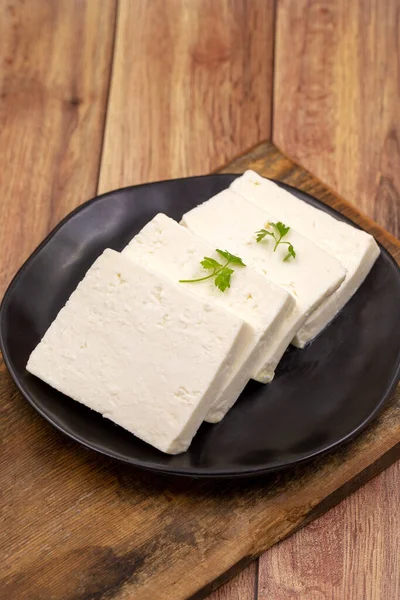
(167, 247)
(355, 249)
(140, 350)
(229, 220)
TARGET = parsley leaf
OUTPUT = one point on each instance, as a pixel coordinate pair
(235, 260)
(221, 273)
(280, 231)
(291, 253)
(223, 279)
(210, 263)
(262, 233)
(281, 228)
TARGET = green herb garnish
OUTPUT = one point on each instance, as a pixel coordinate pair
(221, 273)
(280, 230)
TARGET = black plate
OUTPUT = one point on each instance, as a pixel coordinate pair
(320, 397)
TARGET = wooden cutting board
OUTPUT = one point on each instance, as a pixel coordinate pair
(78, 526)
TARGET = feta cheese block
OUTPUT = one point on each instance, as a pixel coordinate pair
(140, 350)
(167, 247)
(355, 249)
(230, 220)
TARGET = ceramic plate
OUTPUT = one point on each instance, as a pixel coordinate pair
(320, 397)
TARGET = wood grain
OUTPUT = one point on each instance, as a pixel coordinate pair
(191, 87)
(351, 552)
(337, 97)
(242, 587)
(193, 90)
(98, 529)
(337, 111)
(53, 84)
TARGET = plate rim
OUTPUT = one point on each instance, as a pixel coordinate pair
(191, 472)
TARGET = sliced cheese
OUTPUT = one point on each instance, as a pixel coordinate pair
(140, 350)
(229, 220)
(355, 249)
(169, 248)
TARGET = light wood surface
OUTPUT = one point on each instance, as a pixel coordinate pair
(191, 87)
(337, 111)
(54, 76)
(347, 553)
(191, 92)
(337, 97)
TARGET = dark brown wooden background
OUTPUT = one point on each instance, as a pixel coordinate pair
(97, 94)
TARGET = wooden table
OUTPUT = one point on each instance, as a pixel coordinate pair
(98, 94)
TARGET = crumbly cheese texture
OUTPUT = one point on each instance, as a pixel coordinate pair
(140, 350)
(169, 248)
(355, 249)
(230, 220)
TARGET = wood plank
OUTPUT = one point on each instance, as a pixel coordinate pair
(337, 97)
(193, 90)
(96, 529)
(337, 111)
(360, 558)
(369, 567)
(53, 87)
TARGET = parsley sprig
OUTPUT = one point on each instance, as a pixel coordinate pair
(279, 232)
(220, 272)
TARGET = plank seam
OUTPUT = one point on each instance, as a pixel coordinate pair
(107, 103)
(274, 53)
(256, 579)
